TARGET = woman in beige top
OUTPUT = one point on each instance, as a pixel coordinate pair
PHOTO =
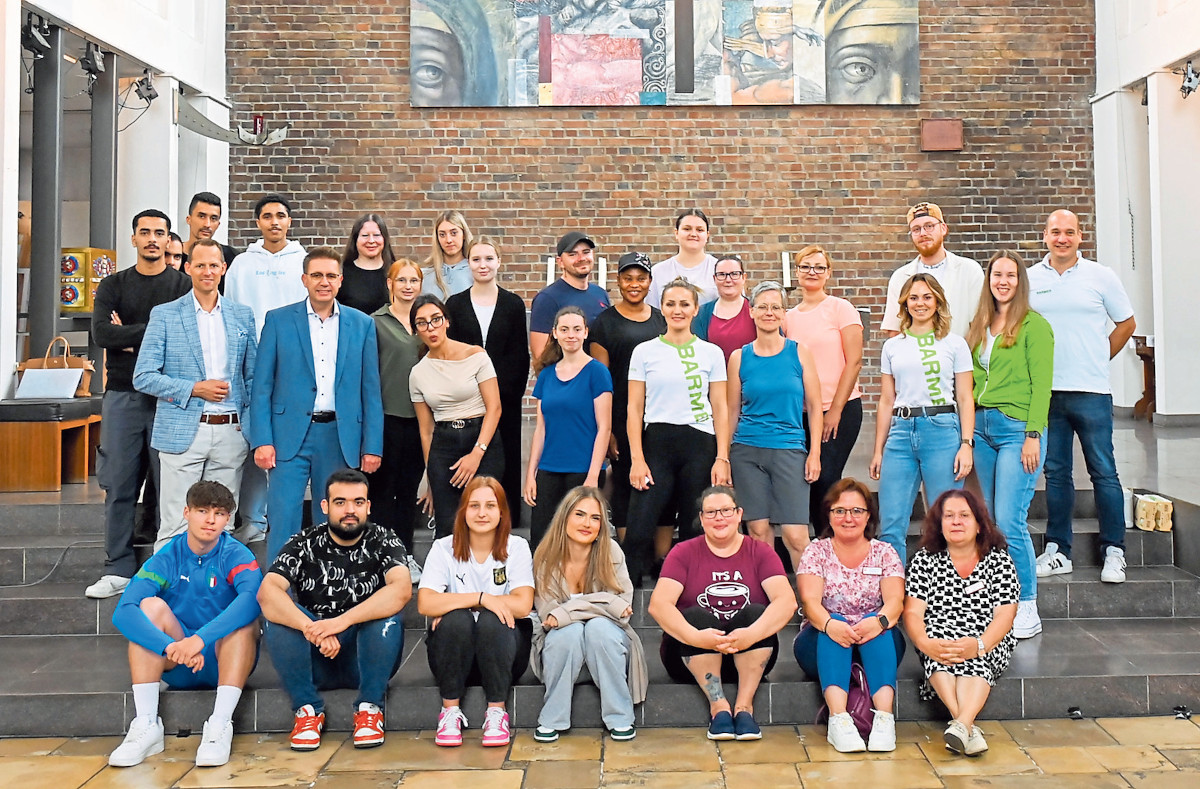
(457, 400)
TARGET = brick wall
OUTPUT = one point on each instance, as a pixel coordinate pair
(1018, 72)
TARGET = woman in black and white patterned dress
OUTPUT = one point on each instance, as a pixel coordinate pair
(962, 598)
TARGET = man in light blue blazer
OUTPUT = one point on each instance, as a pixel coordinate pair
(197, 358)
(316, 406)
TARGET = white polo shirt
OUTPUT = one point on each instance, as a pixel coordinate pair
(961, 278)
(1079, 303)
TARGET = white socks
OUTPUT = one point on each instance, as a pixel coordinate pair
(227, 700)
(145, 700)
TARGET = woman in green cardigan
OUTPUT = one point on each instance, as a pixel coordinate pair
(1013, 350)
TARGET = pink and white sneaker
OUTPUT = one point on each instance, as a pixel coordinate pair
(451, 722)
(495, 728)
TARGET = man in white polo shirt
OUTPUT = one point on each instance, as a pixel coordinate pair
(1079, 297)
(961, 278)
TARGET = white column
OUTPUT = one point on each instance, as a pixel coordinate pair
(204, 164)
(1175, 243)
(147, 163)
(11, 74)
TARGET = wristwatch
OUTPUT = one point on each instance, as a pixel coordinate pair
(979, 643)
(481, 445)
(883, 620)
(969, 442)
(1033, 434)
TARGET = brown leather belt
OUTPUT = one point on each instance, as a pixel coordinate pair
(219, 419)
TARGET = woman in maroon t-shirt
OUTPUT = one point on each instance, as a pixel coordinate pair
(721, 599)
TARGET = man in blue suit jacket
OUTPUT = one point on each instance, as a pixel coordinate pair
(316, 405)
(197, 358)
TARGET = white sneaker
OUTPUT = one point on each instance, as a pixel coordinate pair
(956, 736)
(215, 744)
(1051, 562)
(1028, 623)
(883, 732)
(107, 586)
(976, 744)
(1114, 566)
(414, 569)
(843, 734)
(145, 738)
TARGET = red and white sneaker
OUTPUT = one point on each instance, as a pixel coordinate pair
(495, 728)
(306, 732)
(451, 722)
(368, 726)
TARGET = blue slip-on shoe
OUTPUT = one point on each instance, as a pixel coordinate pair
(745, 728)
(721, 727)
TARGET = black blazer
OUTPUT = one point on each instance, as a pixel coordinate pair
(508, 340)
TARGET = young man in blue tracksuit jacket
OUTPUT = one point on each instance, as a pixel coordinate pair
(191, 617)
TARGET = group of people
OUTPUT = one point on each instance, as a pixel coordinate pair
(301, 363)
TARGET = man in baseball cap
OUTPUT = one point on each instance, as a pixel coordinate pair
(576, 259)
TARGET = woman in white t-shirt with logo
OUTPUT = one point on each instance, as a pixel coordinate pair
(678, 423)
(477, 587)
(692, 262)
(919, 433)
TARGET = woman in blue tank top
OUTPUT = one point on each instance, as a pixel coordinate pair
(770, 382)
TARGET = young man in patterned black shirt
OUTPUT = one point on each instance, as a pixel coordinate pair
(340, 626)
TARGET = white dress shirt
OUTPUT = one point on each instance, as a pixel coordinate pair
(213, 348)
(324, 337)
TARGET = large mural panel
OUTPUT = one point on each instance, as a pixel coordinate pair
(481, 53)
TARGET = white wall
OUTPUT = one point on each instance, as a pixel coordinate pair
(10, 106)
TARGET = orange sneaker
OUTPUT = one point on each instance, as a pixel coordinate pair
(306, 733)
(368, 726)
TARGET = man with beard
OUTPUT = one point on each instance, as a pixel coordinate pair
(341, 626)
(961, 278)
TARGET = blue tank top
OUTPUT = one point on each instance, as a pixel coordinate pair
(772, 400)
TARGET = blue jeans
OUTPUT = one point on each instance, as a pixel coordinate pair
(1088, 415)
(598, 647)
(370, 655)
(998, 443)
(320, 455)
(827, 661)
(918, 449)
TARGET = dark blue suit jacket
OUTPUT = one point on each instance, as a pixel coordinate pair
(285, 385)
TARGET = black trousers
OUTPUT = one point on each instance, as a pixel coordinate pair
(672, 652)
(464, 651)
(448, 445)
(394, 485)
(834, 454)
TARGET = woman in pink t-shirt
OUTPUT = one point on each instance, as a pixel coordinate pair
(852, 592)
(832, 330)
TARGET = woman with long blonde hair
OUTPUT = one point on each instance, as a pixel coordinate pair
(585, 600)
(446, 270)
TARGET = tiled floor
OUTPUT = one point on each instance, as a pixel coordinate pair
(1154, 753)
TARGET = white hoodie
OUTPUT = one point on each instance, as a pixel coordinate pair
(264, 280)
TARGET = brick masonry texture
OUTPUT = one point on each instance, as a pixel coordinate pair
(1018, 74)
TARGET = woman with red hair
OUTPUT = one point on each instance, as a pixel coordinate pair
(477, 587)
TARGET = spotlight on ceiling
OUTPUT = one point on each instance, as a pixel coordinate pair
(93, 60)
(35, 38)
(1191, 80)
(144, 88)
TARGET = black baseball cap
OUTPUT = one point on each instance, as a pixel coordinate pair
(634, 260)
(570, 240)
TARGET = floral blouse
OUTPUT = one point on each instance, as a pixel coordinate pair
(852, 592)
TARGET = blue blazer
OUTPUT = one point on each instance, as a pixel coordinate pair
(285, 385)
(171, 360)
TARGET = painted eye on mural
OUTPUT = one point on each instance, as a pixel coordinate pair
(429, 76)
(857, 70)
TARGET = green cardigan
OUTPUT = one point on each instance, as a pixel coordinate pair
(1018, 379)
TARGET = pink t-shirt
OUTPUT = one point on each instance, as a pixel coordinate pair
(721, 585)
(852, 592)
(820, 329)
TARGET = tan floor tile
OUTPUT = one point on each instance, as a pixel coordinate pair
(1001, 758)
(154, 773)
(578, 744)
(916, 731)
(1056, 732)
(1130, 758)
(264, 760)
(1103, 781)
(824, 752)
(61, 772)
(1152, 731)
(31, 746)
(482, 779)
(176, 749)
(1065, 759)
(905, 774)
(404, 753)
(660, 780)
(562, 775)
(1184, 779)
(779, 744)
(1184, 758)
(665, 750)
(757, 776)
(386, 780)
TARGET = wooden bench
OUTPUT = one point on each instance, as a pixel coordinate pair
(44, 443)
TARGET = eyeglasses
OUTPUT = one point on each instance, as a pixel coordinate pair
(769, 307)
(924, 229)
(321, 275)
(804, 268)
(370, 236)
(422, 324)
(723, 275)
(840, 512)
(724, 512)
